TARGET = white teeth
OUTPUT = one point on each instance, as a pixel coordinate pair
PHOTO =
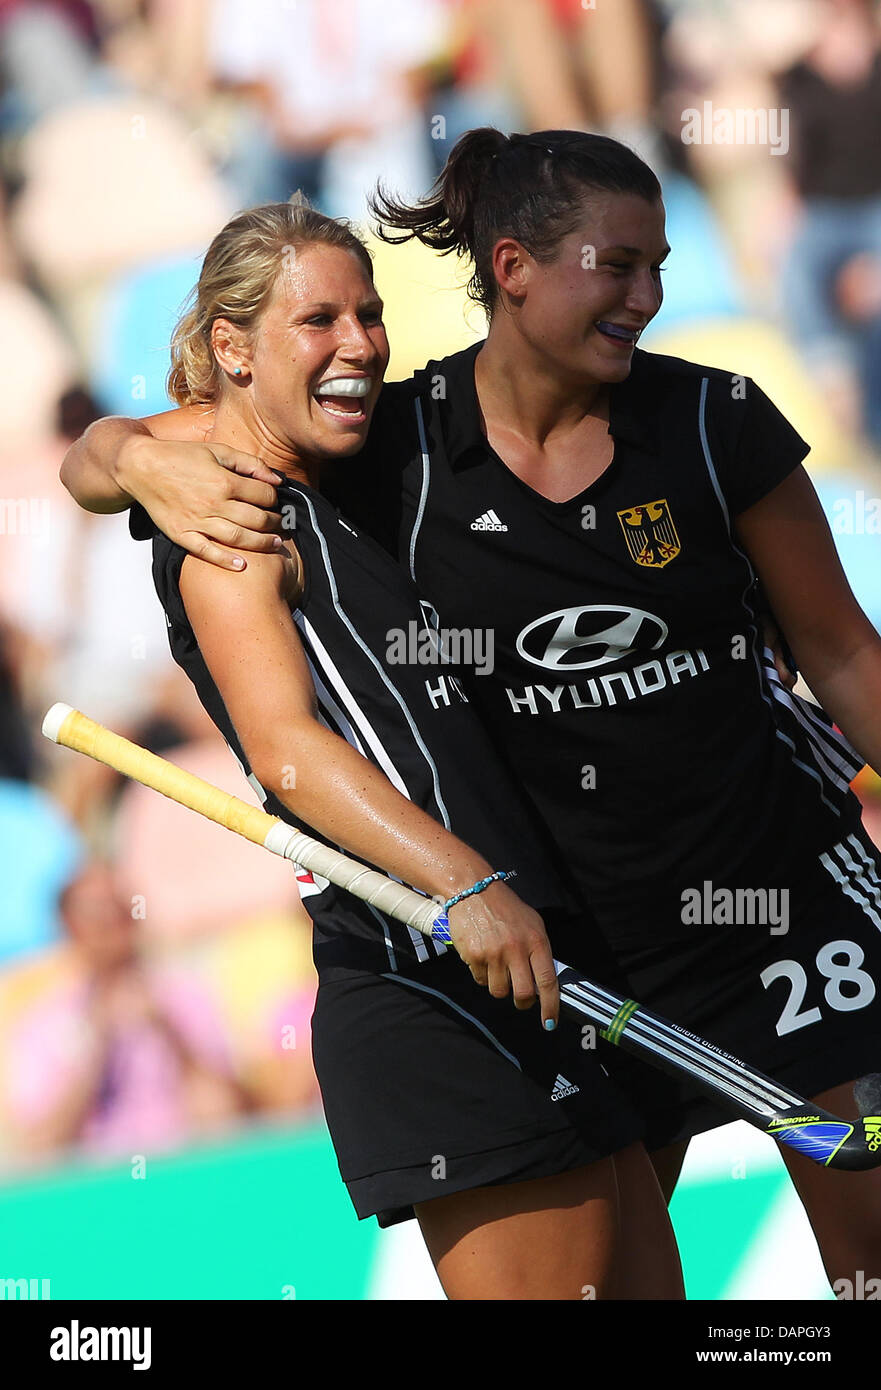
(348, 415)
(345, 386)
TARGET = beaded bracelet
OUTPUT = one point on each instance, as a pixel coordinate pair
(479, 887)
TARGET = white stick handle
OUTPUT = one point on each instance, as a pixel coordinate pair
(70, 727)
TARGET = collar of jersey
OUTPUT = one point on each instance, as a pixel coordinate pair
(464, 439)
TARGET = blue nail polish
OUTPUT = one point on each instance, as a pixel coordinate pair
(550, 1025)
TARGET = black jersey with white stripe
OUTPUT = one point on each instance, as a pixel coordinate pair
(630, 690)
(383, 685)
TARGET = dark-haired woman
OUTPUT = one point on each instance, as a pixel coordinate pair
(607, 513)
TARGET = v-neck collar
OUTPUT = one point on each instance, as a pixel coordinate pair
(465, 441)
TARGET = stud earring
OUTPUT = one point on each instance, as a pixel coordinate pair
(238, 371)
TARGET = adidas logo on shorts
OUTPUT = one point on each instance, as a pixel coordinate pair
(563, 1088)
(490, 521)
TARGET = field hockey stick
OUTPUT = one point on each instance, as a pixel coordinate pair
(788, 1118)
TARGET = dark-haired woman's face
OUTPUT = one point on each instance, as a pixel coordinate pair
(585, 309)
(320, 353)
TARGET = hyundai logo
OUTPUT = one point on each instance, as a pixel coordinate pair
(576, 639)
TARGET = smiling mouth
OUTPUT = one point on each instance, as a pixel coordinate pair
(617, 333)
(342, 398)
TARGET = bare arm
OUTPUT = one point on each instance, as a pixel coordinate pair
(787, 537)
(90, 470)
(207, 497)
(247, 637)
(614, 48)
(533, 53)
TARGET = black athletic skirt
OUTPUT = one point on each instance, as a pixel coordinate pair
(431, 1086)
(798, 998)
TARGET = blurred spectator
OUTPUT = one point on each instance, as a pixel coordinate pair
(726, 55)
(617, 53)
(48, 58)
(832, 281)
(336, 92)
(16, 751)
(123, 1057)
(552, 65)
(469, 86)
(283, 1075)
(76, 594)
(110, 183)
(38, 848)
(194, 876)
(36, 373)
(160, 47)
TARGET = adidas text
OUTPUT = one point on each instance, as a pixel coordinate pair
(490, 521)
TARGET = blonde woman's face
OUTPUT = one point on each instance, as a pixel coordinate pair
(320, 353)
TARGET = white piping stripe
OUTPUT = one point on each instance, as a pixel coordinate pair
(340, 721)
(837, 749)
(257, 787)
(858, 872)
(387, 937)
(812, 772)
(316, 652)
(866, 858)
(419, 944)
(848, 888)
(842, 783)
(812, 716)
(248, 776)
(393, 691)
(402, 979)
(813, 713)
(763, 692)
(416, 937)
(423, 496)
(708, 458)
(847, 768)
(357, 715)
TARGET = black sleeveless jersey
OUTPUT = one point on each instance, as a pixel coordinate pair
(629, 690)
(382, 685)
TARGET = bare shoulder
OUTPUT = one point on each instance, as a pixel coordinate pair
(265, 578)
(187, 424)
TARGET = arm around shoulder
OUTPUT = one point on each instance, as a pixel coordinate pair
(92, 471)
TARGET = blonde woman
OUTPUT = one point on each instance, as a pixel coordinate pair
(442, 1100)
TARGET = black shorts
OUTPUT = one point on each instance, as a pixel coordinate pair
(801, 1005)
(430, 1086)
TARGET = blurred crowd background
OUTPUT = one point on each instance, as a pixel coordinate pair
(156, 981)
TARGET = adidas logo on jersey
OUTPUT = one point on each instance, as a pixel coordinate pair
(490, 521)
(563, 1088)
